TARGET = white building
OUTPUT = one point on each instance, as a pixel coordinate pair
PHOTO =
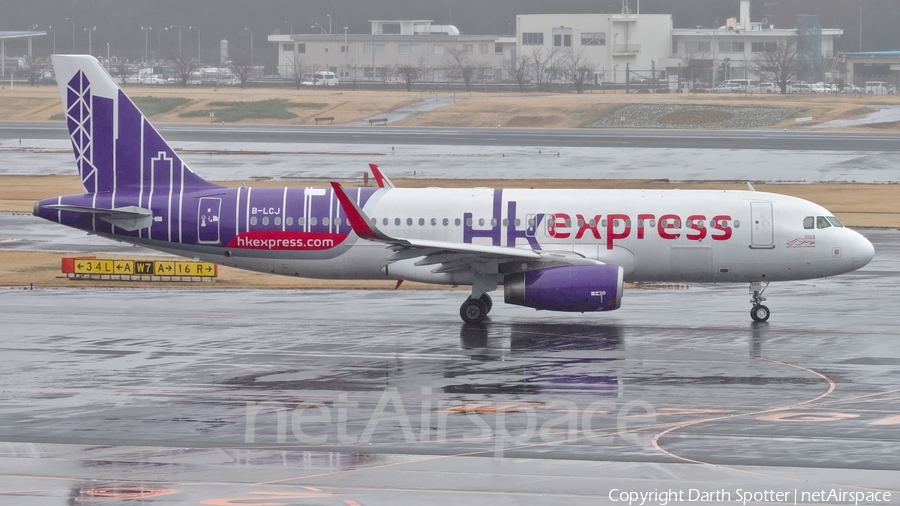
(734, 48)
(432, 49)
(611, 42)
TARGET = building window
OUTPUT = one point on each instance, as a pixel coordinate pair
(379, 49)
(415, 49)
(301, 48)
(403, 48)
(287, 47)
(593, 39)
(764, 47)
(483, 48)
(693, 46)
(438, 49)
(468, 48)
(562, 37)
(345, 49)
(498, 48)
(532, 39)
(731, 47)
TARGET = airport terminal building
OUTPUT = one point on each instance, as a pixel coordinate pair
(644, 46)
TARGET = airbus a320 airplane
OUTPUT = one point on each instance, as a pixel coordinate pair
(559, 250)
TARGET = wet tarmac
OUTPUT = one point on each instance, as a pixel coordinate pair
(382, 397)
(323, 161)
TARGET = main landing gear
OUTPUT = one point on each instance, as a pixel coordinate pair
(759, 313)
(475, 310)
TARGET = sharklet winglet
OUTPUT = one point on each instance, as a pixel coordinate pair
(360, 223)
(380, 178)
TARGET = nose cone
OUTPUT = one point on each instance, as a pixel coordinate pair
(863, 251)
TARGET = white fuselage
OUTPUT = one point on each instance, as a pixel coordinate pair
(672, 235)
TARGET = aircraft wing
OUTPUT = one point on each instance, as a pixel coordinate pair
(380, 178)
(451, 255)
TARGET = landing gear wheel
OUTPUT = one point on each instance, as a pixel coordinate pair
(759, 313)
(473, 311)
(488, 303)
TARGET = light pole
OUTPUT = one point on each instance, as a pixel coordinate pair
(179, 39)
(157, 39)
(107, 56)
(251, 45)
(329, 23)
(347, 50)
(146, 30)
(54, 38)
(198, 42)
(73, 34)
(317, 25)
(90, 31)
(292, 26)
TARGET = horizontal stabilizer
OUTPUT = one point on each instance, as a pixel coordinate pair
(128, 218)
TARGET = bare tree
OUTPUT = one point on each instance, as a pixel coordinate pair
(541, 62)
(297, 69)
(518, 68)
(781, 65)
(123, 71)
(578, 69)
(411, 71)
(692, 62)
(463, 66)
(241, 67)
(34, 69)
(184, 66)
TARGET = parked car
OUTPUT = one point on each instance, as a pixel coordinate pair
(819, 88)
(727, 87)
(852, 89)
(879, 88)
(765, 88)
(799, 88)
(322, 78)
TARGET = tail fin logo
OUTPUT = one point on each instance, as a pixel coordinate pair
(78, 119)
(116, 148)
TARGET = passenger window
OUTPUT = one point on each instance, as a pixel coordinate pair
(253, 220)
(834, 221)
(265, 220)
(313, 221)
(446, 222)
(628, 223)
(809, 222)
(468, 222)
(408, 222)
(821, 222)
(737, 224)
(326, 221)
(580, 223)
(384, 222)
(433, 222)
(397, 221)
(493, 222)
(593, 223)
(337, 221)
(518, 222)
(456, 222)
(505, 222)
(421, 221)
(374, 221)
(289, 221)
(603, 222)
(301, 221)
(480, 222)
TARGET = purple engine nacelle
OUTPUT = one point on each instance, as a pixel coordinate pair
(569, 288)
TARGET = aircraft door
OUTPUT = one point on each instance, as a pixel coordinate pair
(762, 229)
(208, 220)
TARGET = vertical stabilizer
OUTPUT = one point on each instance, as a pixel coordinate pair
(116, 148)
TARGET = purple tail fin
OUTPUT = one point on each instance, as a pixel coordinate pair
(116, 148)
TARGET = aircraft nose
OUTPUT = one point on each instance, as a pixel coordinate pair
(863, 251)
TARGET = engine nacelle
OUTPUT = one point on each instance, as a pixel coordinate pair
(569, 288)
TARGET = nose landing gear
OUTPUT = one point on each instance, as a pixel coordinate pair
(759, 312)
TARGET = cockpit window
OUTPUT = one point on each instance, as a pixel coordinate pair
(834, 221)
(809, 222)
(822, 222)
